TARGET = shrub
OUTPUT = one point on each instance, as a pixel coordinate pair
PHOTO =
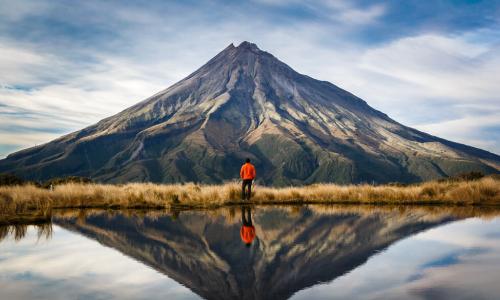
(10, 179)
(64, 180)
(469, 176)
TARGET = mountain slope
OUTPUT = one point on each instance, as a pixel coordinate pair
(246, 103)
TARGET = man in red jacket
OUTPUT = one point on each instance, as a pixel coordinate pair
(247, 173)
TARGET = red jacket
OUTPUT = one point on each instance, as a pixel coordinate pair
(247, 171)
(247, 234)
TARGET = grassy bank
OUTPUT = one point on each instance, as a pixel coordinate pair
(15, 200)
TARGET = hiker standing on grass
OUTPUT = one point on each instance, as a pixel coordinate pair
(247, 174)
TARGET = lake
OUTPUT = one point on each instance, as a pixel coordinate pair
(263, 252)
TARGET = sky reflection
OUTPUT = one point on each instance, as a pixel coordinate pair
(70, 266)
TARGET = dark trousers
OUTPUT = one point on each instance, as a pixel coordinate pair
(246, 189)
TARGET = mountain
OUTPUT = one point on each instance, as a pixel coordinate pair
(243, 103)
(292, 251)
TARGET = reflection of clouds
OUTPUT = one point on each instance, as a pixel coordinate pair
(453, 258)
(468, 233)
(454, 261)
(70, 266)
(472, 277)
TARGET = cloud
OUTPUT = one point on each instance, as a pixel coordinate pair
(17, 10)
(338, 11)
(20, 66)
(346, 12)
(443, 66)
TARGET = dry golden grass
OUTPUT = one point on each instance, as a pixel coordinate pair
(16, 200)
(18, 231)
(481, 192)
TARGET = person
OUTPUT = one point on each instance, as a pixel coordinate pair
(247, 174)
(247, 231)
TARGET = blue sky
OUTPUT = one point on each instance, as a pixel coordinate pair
(432, 65)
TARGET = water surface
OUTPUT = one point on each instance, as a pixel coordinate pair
(255, 253)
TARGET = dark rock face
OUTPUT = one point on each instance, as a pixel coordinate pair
(244, 102)
(291, 251)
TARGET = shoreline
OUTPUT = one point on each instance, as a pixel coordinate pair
(15, 201)
(34, 217)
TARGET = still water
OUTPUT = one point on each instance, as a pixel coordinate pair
(314, 252)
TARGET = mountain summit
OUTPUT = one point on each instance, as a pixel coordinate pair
(245, 102)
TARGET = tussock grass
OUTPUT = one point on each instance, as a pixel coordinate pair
(18, 231)
(16, 200)
(479, 192)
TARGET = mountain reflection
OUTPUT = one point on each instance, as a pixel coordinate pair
(264, 253)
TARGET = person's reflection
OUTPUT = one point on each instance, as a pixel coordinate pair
(247, 231)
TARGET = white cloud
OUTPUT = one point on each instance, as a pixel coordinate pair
(17, 65)
(341, 11)
(448, 67)
(344, 11)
